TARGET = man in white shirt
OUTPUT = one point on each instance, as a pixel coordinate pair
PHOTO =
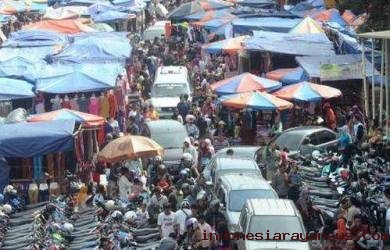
(165, 221)
(124, 185)
(181, 217)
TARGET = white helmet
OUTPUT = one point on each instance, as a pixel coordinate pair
(7, 209)
(67, 227)
(8, 189)
(316, 154)
(109, 205)
(158, 158)
(129, 216)
(117, 215)
(187, 157)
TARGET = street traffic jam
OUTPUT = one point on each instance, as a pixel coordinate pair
(191, 125)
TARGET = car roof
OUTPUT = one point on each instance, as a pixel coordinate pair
(304, 130)
(243, 181)
(239, 151)
(161, 126)
(280, 207)
(235, 163)
(171, 75)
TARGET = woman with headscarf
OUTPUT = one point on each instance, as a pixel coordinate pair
(191, 128)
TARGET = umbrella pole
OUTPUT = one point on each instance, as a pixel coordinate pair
(366, 107)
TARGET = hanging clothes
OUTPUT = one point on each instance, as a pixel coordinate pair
(33, 193)
(77, 149)
(89, 145)
(50, 164)
(66, 104)
(57, 157)
(39, 104)
(56, 103)
(74, 105)
(104, 106)
(43, 192)
(38, 168)
(93, 107)
(113, 105)
(26, 168)
(83, 104)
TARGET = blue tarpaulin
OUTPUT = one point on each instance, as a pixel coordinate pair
(19, 67)
(290, 45)
(247, 25)
(11, 89)
(38, 138)
(315, 38)
(32, 38)
(63, 79)
(100, 7)
(95, 49)
(32, 53)
(111, 16)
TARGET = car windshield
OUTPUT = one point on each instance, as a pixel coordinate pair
(238, 198)
(168, 90)
(229, 164)
(291, 141)
(172, 139)
(276, 225)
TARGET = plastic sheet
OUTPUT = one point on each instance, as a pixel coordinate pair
(16, 116)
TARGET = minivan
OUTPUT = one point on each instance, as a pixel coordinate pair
(157, 30)
(170, 135)
(274, 223)
(234, 189)
(170, 83)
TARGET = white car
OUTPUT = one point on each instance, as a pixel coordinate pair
(156, 30)
(170, 83)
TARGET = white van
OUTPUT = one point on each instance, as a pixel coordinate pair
(170, 83)
(271, 224)
(156, 30)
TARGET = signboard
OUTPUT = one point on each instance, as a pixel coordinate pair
(339, 72)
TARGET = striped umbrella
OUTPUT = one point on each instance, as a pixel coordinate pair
(88, 120)
(244, 83)
(231, 45)
(255, 100)
(288, 76)
(307, 92)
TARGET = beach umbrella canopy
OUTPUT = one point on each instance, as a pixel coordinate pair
(307, 92)
(11, 89)
(244, 83)
(88, 120)
(130, 147)
(288, 76)
(255, 100)
(231, 45)
(193, 7)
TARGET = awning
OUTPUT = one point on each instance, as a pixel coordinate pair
(40, 138)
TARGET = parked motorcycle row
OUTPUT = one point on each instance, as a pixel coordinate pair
(327, 184)
(57, 225)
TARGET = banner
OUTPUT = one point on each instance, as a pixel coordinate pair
(339, 72)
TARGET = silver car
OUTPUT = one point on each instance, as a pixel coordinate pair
(292, 139)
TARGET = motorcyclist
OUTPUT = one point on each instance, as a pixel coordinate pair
(185, 177)
(187, 161)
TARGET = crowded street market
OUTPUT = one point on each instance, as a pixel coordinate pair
(203, 125)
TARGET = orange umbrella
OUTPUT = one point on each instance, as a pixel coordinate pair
(87, 120)
(129, 147)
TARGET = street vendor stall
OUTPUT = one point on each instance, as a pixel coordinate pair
(24, 145)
